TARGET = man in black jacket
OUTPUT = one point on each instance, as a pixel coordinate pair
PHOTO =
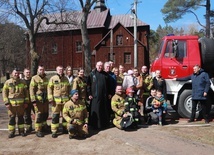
(200, 88)
(98, 89)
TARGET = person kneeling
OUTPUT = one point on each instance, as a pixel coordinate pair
(123, 119)
(75, 113)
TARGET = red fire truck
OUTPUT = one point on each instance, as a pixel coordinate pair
(176, 58)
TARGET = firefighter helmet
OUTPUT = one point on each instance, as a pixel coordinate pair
(129, 90)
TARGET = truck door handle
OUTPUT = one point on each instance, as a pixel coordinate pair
(184, 67)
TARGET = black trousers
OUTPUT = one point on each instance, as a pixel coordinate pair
(203, 108)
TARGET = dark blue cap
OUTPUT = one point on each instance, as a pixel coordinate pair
(72, 92)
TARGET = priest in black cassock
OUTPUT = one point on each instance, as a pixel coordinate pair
(99, 92)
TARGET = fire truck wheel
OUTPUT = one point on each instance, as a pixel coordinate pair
(185, 104)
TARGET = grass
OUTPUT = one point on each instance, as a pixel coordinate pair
(200, 134)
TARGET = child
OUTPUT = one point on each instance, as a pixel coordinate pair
(159, 106)
(131, 106)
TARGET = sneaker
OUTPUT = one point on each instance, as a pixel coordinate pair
(160, 123)
(54, 135)
(11, 135)
(206, 121)
(39, 134)
(189, 121)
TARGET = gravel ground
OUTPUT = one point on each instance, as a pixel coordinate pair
(177, 138)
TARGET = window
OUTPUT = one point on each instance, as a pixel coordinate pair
(127, 58)
(176, 49)
(113, 57)
(103, 43)
(182, 51)
(78, 46)
(168, 49)
(119, 40)
(54, 48)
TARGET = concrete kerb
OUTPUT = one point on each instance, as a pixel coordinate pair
(177, 125)
(189, 125)
(180, 122)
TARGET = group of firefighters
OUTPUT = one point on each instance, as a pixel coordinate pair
(67, 96)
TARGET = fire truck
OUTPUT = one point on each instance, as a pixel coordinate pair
(176, 57)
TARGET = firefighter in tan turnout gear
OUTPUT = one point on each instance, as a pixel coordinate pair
(79, 83)
(58, 95)
(38, 95)
(117, 105)
(147, 84)
(16, 99)
(75, 113)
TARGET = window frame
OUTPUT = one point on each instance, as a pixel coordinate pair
(54, 48)
(78, 46)
(125, 58)
(120, 42)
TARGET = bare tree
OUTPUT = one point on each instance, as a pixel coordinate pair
(28, 11)
(12, 47)
(32, 13)
(86, 7)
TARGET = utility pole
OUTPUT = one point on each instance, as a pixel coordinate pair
(111, 45)
(134, 11)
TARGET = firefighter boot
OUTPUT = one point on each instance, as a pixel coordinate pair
(71, 136)
(54, 135)
(39, 134)
(22, 132)
(64, 130)
(11, 135)
(28, 129)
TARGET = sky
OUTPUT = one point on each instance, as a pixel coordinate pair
(149, 11)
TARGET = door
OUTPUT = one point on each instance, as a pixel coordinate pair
(175, 63)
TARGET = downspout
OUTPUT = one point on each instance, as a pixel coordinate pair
(62, 50)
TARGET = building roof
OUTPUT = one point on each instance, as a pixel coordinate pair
(125, 20)
(95, 20)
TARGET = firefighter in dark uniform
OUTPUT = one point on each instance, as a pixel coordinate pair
(131, 106)
(38, 95)
(75, 113)
(16, 99)
(58, 94)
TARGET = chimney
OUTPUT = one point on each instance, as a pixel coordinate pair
(100, 6)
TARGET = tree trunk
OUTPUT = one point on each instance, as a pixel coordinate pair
(4, 65)
(34, 57)
(86, 43)
(208, 19)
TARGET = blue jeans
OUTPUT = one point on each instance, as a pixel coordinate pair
(158, 112)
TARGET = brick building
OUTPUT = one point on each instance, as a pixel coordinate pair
(62, 44)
